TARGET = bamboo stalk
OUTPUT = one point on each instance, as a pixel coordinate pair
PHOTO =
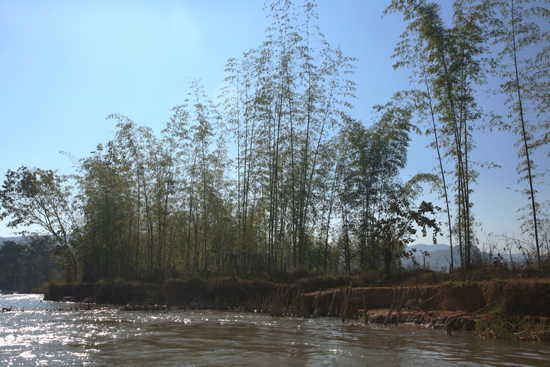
(391, 307)
(347, 302)
(365, 318)
(403, 292)
(287, 300)
(316, 309)
(331, 308)
(303, 304)
(341, 300)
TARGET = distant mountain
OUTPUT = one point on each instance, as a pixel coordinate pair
(18, 239)
(15, 239)
(429, 248)
(440, 257)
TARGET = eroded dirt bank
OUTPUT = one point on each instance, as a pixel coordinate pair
(487, 307)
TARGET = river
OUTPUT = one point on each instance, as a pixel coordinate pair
(42, 333)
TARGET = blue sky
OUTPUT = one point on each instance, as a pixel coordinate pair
(66, 65)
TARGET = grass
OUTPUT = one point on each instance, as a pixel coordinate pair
(497, 323)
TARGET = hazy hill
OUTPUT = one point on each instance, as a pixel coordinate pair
(440, 257)
(15, 239)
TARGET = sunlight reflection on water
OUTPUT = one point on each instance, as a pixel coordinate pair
(42, 333)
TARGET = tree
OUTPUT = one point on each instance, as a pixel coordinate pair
(138, 154)
(200, 161)
(284, 100)
(367, 167)
(11, 264)
(107, 208)
(40, 265)
(449, 61)
(26, 265)
(42, 198)
(516, 33)
(397, 227)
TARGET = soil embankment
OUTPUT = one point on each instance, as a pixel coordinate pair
(517, 308)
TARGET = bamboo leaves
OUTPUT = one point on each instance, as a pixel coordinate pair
(516, 31)
(448, 62)
(36, 197)
(284, 101)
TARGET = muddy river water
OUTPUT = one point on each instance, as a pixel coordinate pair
(41, 333)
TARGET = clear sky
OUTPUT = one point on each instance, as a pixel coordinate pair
(65, 65)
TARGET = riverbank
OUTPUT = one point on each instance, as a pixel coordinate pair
(517, 309)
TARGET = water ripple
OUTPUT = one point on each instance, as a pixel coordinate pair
(45, 333)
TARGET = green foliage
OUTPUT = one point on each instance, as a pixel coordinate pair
(36, 197)
(517, 33)
(284, 100)
(28, 265)
(486, 38)
(377, 221)
(457, 284)
(311, 191)
(498, 324)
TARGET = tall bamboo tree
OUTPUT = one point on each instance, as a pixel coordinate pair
(289, 96)
(454, 65)
(515, 32)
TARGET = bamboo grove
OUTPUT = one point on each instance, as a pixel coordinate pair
(279, 176)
